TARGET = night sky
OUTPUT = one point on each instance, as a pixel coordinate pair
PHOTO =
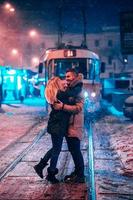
(43, 14)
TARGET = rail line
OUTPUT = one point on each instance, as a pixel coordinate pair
(19, 158)
(92, 190)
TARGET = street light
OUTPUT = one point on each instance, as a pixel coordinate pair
(12, 9)
(33, 33)
(9, 7)
(15, 53)
(35, 61)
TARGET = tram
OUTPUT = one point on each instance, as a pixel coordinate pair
(57, 61)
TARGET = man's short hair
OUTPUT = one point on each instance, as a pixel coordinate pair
(74, 71)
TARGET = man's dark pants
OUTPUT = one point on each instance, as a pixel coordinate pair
(74, 148)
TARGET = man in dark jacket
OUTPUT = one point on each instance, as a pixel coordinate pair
(75, 127)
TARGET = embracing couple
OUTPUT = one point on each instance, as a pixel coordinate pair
(65, 120)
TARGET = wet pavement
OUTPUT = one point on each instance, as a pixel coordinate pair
(26, 144)
(28, 141)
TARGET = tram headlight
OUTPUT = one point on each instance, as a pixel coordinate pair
(86, 94)
(93, 94)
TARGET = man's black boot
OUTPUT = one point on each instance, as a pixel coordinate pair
(67, 177)
(51, 176)
(39, 167)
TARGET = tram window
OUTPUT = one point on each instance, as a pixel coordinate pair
(61, 67)
(90, 70)
(50, 70)
(97, 70)
(94, 70)
(82, 68)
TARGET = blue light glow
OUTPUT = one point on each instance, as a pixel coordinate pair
(108, 84)
(12, 79)
(123, 78)
(19, 82)
(86, 94)
(114, 111)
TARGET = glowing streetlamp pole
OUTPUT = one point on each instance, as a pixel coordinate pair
(33, 34)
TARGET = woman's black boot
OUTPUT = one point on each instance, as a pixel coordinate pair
(51, 176)
(39, 167)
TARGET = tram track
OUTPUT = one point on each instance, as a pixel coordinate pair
(91, 164)
(23, 153)
(91, 179)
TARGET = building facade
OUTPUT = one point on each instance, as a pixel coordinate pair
(106, 43)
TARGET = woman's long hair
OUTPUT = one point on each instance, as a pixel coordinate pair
(51, 89)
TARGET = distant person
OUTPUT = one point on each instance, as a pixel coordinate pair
(21, 99)
(31, 89)
(42, 88)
